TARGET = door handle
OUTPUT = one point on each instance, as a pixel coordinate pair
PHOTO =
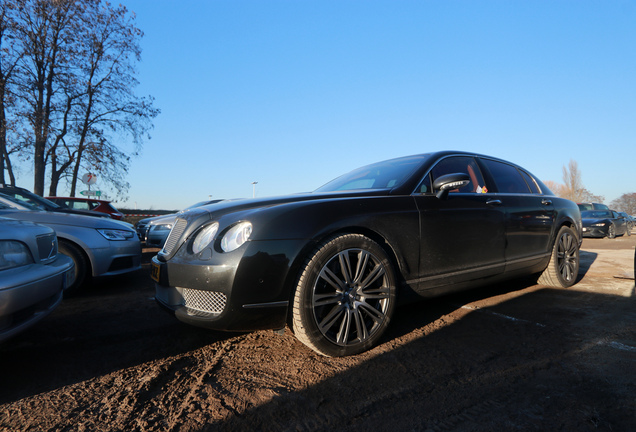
(494, 202)
(546, 201)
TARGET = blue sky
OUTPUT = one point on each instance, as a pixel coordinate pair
(293, 93)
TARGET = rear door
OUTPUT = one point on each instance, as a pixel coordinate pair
(529, 215)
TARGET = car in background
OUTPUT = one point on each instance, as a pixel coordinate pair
(592, 206)
(33, 275)
(603, 223)
(629, 220)
(23, 195)
(332, 264)
(97, 246)
(88, 204)
(154, 230)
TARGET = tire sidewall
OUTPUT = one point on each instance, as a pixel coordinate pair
(304, 299)
(81, 266)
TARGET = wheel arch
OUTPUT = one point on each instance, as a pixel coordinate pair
(83, 249)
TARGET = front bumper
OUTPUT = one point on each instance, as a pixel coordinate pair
(30, 293)
(118, 258)
(591, 231)
(243, 290)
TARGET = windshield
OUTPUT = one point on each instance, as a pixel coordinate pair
(29, 199)
(381, 175)
(21, 203)
(596, 214)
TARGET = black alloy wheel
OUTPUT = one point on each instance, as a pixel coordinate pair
(345, 296)
(563, 269)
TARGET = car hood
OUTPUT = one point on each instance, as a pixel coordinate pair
(68, 219)
(231, 206)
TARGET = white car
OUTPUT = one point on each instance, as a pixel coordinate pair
(98, 246)
(33, 275)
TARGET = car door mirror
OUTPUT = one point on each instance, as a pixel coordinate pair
(444, 184)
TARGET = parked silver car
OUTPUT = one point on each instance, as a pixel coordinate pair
(32, 275)
(154, 230)
(98, 246)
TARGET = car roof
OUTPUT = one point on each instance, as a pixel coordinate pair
(79, 199)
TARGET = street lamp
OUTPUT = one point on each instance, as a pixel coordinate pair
(254, 189)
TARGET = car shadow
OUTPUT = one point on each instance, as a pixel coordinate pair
(514, 365)
(586, 259)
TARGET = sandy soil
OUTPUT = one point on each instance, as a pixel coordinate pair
(516, 356)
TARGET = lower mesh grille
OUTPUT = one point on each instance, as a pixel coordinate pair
(203, 302)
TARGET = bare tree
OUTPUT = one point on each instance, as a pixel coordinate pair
(108, 108)
(10, 55)
(625, 203)
(555, 187)
(573, 188)
(73, 83)
(47, 33)
(572, 183)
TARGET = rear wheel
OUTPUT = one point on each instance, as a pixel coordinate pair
(563, 268)
(345, 296)
(82, 266)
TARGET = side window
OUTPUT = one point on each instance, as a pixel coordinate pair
(453, 165)
(534, 187)
(507, 177)
(80, 205)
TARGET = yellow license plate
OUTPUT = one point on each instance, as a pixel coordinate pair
(155, 271)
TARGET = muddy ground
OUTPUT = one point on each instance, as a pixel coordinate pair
(511, 357)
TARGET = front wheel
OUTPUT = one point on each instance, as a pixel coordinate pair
(563, 268)
(82, 266)
(345, 296)
(611, 231)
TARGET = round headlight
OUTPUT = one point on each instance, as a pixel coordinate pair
(236, 236)
(205, 237)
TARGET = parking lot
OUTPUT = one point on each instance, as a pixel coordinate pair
(515, 356)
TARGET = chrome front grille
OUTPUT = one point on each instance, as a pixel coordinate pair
(47, 246)
(200, 302)
(174, 236)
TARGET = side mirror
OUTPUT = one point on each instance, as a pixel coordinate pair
(448, 182)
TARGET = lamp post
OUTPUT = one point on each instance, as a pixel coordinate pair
(254, 189)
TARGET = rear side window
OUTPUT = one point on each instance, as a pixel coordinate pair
(534, 187)
(80, 205)
(507, 177)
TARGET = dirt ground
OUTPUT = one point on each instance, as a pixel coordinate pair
(511, 357)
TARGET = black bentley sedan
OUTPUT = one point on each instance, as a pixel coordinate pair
(333, 263)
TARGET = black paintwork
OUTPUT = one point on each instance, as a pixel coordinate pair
(592, 218)
(437, 245)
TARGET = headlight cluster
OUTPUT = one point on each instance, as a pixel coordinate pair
(14, 254)
(117, 235)
(599, 224)
(232, 239)
(162, 227)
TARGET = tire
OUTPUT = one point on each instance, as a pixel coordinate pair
(629, 230)
(611, 232)
(345, 296)
(563, 268)
(82, 266)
